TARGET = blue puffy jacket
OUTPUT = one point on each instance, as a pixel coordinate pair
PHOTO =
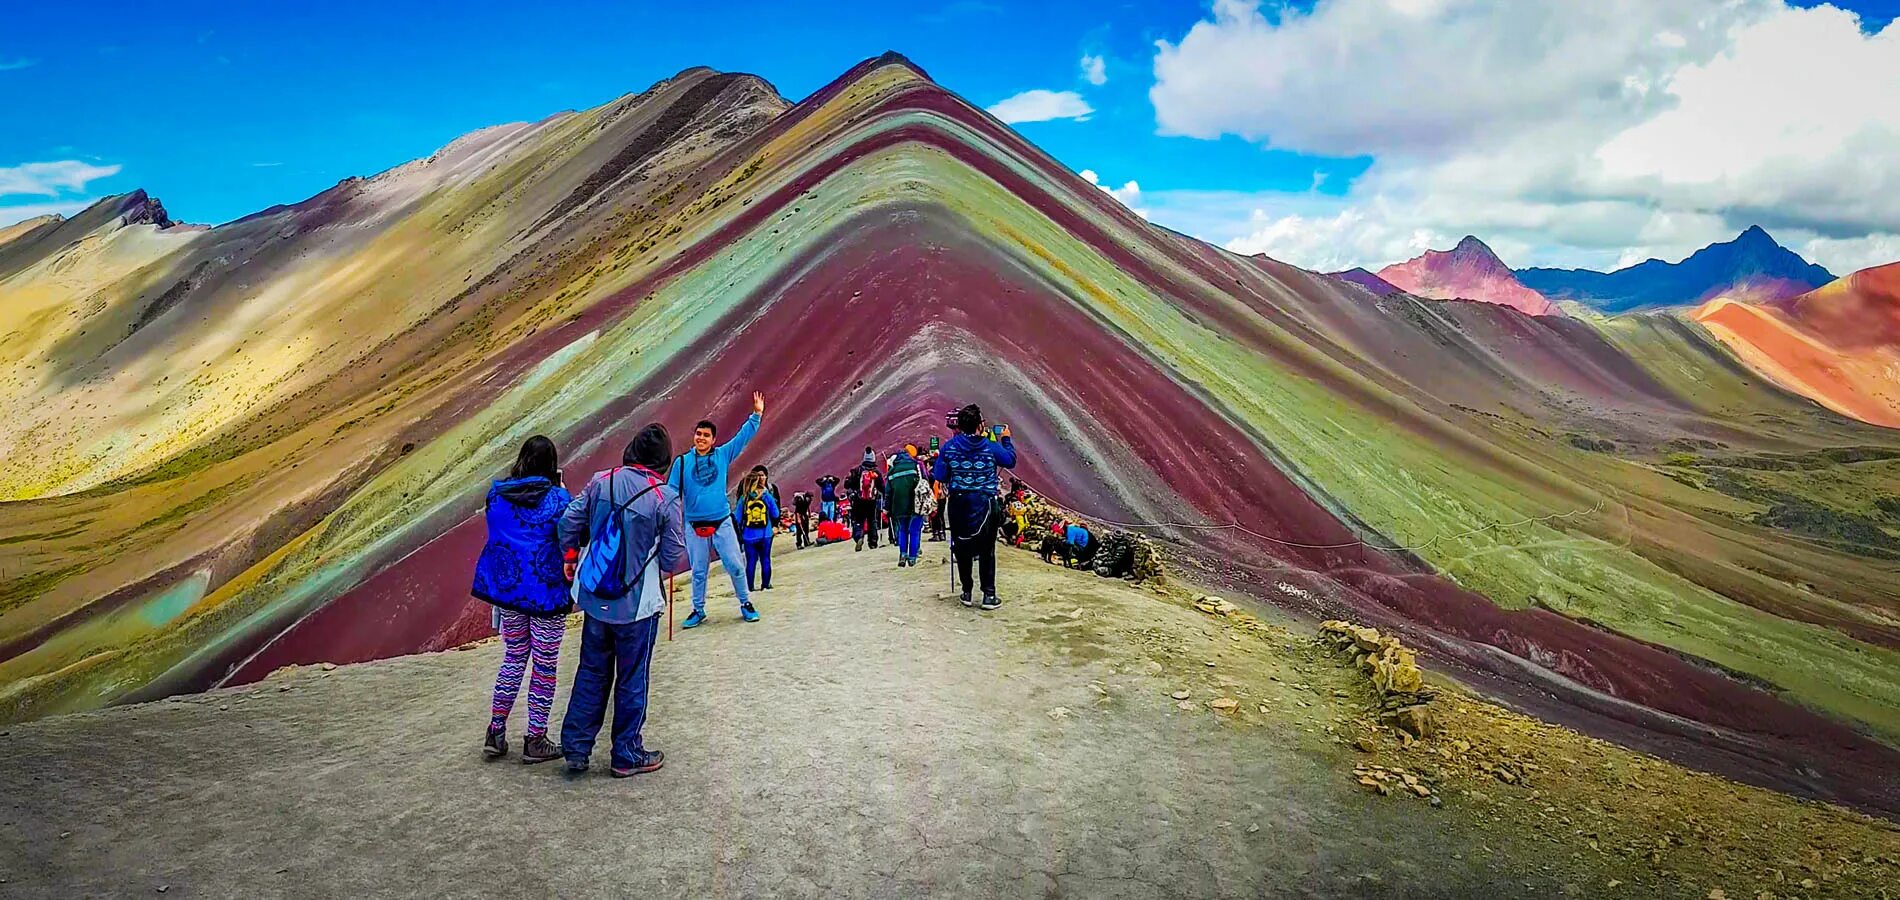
(520, 566)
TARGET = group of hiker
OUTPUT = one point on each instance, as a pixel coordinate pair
(611, 550)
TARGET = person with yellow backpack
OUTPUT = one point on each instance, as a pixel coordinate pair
(757, 513)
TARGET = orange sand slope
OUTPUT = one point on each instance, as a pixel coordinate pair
(1838, 345)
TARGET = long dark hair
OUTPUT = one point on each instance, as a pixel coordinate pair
(538, 457)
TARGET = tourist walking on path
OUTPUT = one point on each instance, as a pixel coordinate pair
(867, 501)
(967, 466)
(701, 477)
(903, 496)
(758, 518)
(801, 518)
(828, 498)
(520, 573)
(629, 520)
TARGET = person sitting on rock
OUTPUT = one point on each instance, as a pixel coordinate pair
(1081, 545)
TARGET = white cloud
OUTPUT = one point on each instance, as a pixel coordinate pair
(1129, 193)
(8, 65)
(1042, 106)
(1583, 134)
(1094, 69)
(50, 179)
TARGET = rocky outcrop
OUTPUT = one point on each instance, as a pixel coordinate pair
(139, 208)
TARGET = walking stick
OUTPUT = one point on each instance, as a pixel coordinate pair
(669, 608)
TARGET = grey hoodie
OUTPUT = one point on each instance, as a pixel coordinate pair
(651, 527)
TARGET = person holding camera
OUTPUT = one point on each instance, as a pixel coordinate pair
(966, 466)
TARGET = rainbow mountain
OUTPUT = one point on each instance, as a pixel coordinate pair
(266, 443)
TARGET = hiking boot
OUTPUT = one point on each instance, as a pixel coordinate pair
(692, 621)
(536, 748)
(966, 599)
(990, 601)
(857, 546)
(647, 761)
(747, 613)
(576, 766)
(495, 745)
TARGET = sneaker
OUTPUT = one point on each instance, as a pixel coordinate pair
(536, 748)
(495, 745)
(648, 761)
(857, 546)
(966, 600)
(747, 613)
(990, 601)
(692, 621)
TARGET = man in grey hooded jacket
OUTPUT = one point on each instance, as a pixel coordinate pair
(617, 639)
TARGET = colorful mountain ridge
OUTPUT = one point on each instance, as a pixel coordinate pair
(1751, 267)
(265, 443)
(1838, 344)
(1468, 271)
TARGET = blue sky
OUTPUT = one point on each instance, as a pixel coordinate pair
(221, 109)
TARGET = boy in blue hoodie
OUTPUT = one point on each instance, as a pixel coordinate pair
(700, 476)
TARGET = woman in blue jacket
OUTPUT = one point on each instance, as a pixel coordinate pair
(757, 512)
(520, 573)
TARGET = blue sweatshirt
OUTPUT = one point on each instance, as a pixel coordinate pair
(701, 478)
(968, 463)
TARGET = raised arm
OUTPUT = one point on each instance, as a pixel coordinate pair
(1006, 451)
(732, 448)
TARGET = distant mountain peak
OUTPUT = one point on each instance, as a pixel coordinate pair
(1470, 244)
(1468, 271)
(1751, 266)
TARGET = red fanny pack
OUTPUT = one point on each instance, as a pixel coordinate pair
(706, 529)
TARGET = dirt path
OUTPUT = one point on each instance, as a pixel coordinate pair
(869, 738)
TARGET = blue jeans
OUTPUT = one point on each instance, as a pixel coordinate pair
(828, 511)
(699, 552)
(613, 658)
(910, 535)
(758, 554)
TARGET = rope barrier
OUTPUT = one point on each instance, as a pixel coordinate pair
(1598, 507)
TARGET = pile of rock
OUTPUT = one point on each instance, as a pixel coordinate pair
(1404, 699)
(1121, 554)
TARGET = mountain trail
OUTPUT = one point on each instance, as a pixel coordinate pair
(871, 737)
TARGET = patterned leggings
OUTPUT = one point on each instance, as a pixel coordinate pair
(524, 637)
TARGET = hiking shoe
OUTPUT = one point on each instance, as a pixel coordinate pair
(966, 599)
(536, 748)
(495, 745)
(747, 613)
(692, 621)
(990, 601)
(648, 761)
(857, 546)
(576, 766)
